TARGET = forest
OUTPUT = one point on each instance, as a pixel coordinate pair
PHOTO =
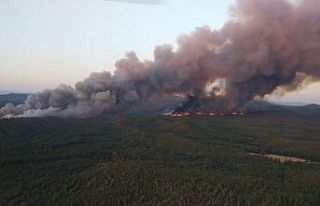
(159, 160)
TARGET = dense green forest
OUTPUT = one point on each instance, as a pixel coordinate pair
(157, 160)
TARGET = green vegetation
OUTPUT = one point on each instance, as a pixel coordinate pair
(154, 160)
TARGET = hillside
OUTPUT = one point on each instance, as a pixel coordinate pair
(12, 98)
(267, 107)
(159, 106)
(151, 159)
(156, 107)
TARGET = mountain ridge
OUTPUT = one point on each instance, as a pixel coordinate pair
(158, 106)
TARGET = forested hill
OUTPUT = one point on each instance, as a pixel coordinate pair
(12, 98)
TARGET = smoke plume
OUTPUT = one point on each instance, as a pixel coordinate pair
(265, 46)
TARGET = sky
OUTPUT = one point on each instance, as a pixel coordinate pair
(44, 43)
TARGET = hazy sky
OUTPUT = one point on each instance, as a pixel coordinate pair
(47, 42)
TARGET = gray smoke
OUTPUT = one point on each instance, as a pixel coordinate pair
(265, 47)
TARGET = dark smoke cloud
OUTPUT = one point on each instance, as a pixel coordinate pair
(266, 46)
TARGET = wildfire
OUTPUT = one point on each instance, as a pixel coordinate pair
(209, 114)
(86, 116)
(238, 113)
(180, 114)
(212, 114)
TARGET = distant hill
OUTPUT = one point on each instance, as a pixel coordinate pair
(12, 98)
(166, 105)
(159, 106)
(267, 107)
(311, 109)
(290, 103)
(4, 92)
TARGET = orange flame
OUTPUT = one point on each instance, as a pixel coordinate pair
(210, 114)
(180, 114)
